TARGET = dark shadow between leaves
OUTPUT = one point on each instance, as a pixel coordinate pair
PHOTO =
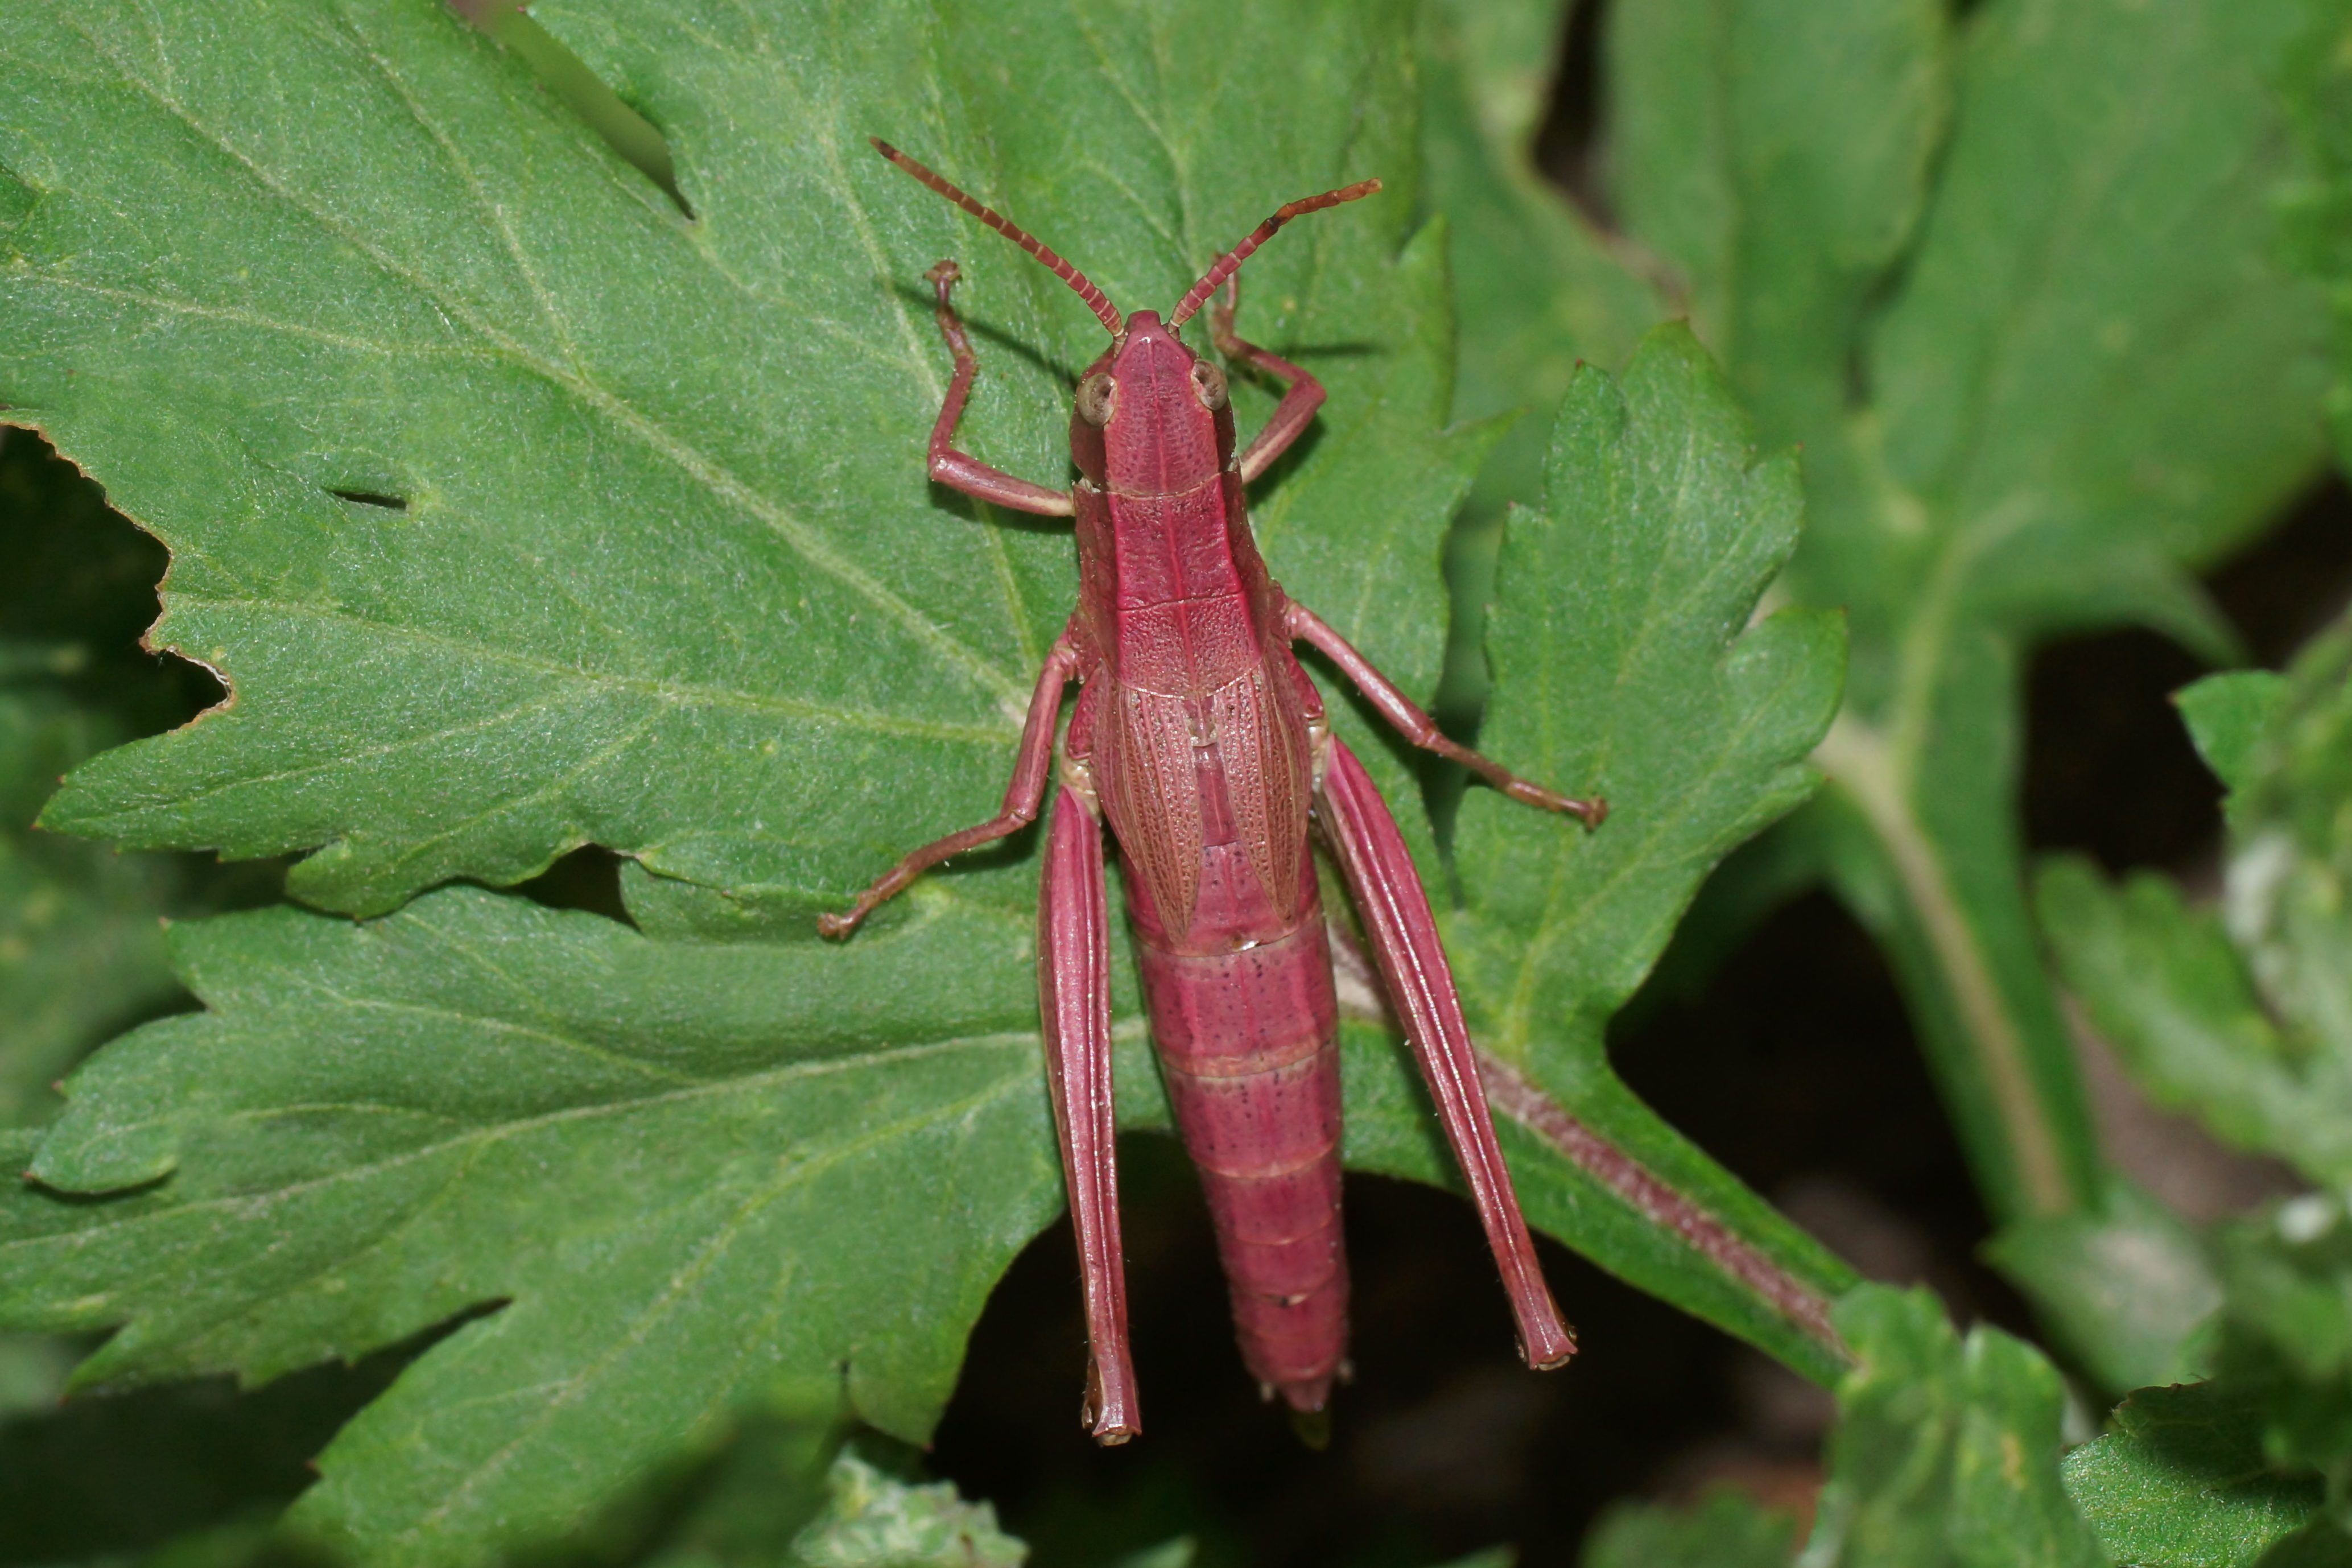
(79, 577)
(106, 1474)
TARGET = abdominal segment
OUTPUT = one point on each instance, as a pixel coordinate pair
(1248, 1049)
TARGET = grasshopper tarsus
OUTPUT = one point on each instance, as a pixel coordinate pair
(1551, 1361)
(1416, 726)
(1591, 812)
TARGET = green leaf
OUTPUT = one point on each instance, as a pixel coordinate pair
(1946, 1451)
(682, 1165)
(1540, 287)
(1781, 204)
(669, 575)
(2290, 858)
(2226, 715)
(2098, 366)
(2163, 984)
(1945, 1455)
(1727, 1529)
(2319, 106)
(593, 410)
(2284, 1337)
(871, 1520)
(2036, 366)
(2238, 1017)
(2181, 1482)
(81, 952)
(2098, 358)
(81, 946)
(1625, 667)
(684, 1168)
(2282, 1357)
(2242, 1015)
(2124, 1287)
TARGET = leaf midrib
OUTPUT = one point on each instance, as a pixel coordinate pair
(667, 688)
(486, 1135)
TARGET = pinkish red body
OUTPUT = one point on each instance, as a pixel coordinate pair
(1197, 731)
(1202, 742)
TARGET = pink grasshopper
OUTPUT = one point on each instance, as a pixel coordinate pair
(1202, 740)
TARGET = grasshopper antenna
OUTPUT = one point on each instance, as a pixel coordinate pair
(1230, 261)
(1104, 311)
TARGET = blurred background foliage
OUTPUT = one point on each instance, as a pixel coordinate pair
(2052, 294)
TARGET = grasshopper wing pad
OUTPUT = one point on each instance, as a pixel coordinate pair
(1152, 794)
(1263, 752)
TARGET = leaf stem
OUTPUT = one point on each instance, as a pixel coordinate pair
(1517, 1097)
(1858, 759)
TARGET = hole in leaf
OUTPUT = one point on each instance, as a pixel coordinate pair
(372, 498)
(583, 91)
(589, 879)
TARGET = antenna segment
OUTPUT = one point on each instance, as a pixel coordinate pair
(1104, 311)
(1230, 262)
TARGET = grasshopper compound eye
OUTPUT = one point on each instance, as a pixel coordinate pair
(1096, 396)
(1208, 384)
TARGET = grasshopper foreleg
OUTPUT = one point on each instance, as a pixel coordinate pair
(950, 465)
(1302, 395)
(1388, 893)
(1023, 795)
(1074, 998)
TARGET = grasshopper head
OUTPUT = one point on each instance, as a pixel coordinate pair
(1150, 416)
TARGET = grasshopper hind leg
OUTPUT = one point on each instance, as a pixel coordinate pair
(1074, 995)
